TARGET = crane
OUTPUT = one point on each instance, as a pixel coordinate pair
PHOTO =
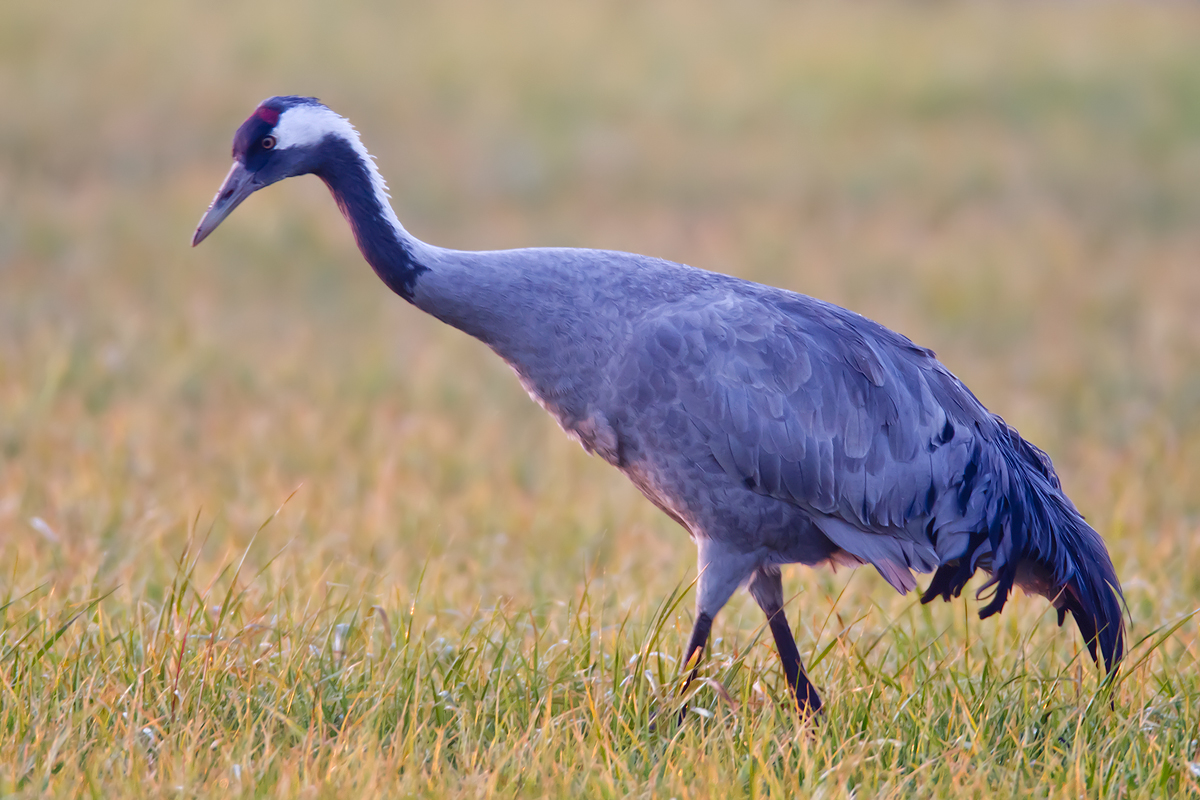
(774, 427)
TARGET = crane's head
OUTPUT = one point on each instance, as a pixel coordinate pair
(285, 136)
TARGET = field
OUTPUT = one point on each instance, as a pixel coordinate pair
(267, 531)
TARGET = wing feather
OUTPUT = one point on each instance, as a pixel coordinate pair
(819, 407)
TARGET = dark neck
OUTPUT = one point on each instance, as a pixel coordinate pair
(384, 244)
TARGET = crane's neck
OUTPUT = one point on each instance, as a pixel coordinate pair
(352, 177)
(529, 306)
(459, 288)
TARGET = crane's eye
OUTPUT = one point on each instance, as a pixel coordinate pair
(268, 142)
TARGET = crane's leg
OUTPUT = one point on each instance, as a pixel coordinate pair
(695, 648)
(766, 586)
(722, 570)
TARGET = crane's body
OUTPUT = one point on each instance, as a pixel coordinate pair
(775, 428)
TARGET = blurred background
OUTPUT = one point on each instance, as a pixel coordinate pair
(1016, 186)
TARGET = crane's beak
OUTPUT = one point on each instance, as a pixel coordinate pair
(239, 184)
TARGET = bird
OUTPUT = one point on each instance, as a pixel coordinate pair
(775, 428)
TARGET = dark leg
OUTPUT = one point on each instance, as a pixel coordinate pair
(721, 570)
(695, 647)
(806, 694)
(695, 650)
(767, 588)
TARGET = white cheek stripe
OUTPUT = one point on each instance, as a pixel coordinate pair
(307, 125)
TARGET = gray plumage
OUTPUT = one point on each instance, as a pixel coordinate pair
(774, 427)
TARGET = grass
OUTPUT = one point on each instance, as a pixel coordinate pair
(264, 530)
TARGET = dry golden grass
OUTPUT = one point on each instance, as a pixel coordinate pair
(453, 599)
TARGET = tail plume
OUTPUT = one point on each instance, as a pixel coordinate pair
(1036, 539)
